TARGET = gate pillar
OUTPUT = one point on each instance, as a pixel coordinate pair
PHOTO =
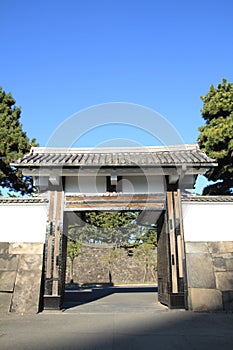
(171, 265)
(55, 252)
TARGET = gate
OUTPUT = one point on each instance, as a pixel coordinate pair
(91, 177)
(172, 289)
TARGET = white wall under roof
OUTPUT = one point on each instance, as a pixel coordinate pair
(23, 222)
(85, 184)
(206, 222)
(143, 184)
(130, 184)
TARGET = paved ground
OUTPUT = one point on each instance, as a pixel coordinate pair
(120, 320)
(117, 299)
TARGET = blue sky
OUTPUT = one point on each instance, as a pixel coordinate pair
(60, 57)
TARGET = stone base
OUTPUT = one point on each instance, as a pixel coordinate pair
(210, 275)
(5, 302)
(203, 299)
(20, 274)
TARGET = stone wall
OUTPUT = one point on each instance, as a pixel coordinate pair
(210, 275)
(92, 267)
(20, 276)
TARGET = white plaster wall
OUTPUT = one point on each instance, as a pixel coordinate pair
(205, 222)
(23, 223)
(143, 184)
(85, 184)
(71, 184)
(130, 184)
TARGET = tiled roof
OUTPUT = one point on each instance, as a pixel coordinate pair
(22, 200)
(134, 156)
(207, 199)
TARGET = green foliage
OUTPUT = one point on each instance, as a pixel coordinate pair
(74, 249)
(147, 236)
(14, 143)
(218, 101)
(117, 228)
(146, 254)
(216, 137)
(113, 255)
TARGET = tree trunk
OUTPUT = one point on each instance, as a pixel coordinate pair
(71, 271)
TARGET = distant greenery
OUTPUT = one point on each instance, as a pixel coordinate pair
(118, 229)
(216, 137)
(74, 249)
(146, 255)
(113, 255)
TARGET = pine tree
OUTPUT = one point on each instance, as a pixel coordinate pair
(216, 137)
(14, 143)
(115, 227)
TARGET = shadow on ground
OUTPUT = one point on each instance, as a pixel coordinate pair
(75, 295)
(170, 330)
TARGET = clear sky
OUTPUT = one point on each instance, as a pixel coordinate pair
(62, 56)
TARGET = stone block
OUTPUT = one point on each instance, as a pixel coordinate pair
(224, 281)
(7, 279)
(227, 300)
(91, 267)
(221, 247)
(5, 302)
(30, 262)
(8, 262)
(27, 292)
(200, 271)
(229, 264)
(26, 248)
(203, 299)
(219, 264)
(225, 247)
(4, 248)
(196, 247)
(213, 247)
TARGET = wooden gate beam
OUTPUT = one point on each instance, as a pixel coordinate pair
(115, 202)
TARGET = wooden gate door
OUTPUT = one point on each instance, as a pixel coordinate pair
(172, 289)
